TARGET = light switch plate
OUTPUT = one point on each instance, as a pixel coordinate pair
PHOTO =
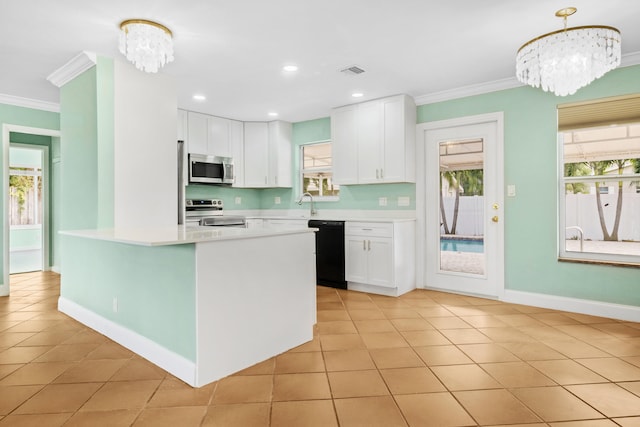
(404, 200)
(238, 200)
(511, 190)
(277, 200)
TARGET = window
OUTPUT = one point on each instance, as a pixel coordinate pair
(599, 174)
(316, 174)
(25, 195)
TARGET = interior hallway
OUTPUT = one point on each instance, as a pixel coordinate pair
(424, 359)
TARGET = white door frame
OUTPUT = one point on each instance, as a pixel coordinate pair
(421, 175)
(6, 130)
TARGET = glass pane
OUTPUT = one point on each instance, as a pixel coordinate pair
(319, 184)
(316, 156)
(603, 217)
(462, 206)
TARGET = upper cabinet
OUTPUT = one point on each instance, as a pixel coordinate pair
(211, 135)
(374, 142)
(267, 154)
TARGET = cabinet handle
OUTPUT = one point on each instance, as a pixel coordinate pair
(364, 245)
(377, 174)
(369, 244)
(381, 173)
(367, 229)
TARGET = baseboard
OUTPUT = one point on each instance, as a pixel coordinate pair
(594, 308)
(379, 290)
(166, 359)
(55, 269)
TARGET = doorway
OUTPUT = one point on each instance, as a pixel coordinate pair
(460, 219)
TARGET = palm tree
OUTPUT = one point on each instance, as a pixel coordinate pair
(468, 181)
(599, 168)
(576, 169)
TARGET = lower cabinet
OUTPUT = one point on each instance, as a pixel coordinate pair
(379, 256)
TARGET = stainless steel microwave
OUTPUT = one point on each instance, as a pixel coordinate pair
(205, 169)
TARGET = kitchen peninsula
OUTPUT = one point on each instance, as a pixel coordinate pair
(201, 303)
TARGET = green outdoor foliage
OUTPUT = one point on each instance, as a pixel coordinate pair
(467, 182)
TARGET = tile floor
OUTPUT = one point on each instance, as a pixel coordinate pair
(424, 359)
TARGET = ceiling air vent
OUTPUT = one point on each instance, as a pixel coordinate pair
(353, 70)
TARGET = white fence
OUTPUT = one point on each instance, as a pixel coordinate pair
(581, 211)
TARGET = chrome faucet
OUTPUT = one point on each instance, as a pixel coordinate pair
(312, 208)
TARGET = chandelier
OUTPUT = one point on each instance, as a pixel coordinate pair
(148, 45)
(566, 60)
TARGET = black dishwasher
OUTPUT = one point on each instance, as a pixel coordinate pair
(329, 253)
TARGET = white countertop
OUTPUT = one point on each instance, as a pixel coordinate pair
(331, 218)
(179, 234)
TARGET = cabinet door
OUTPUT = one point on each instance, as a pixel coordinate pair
(380, 252)
(280, 154)
(219, 137)
(344, 145)
(236, 140)
(182, 125)
(356, 259)
(198, 133)
(256, 154)
(393, 161)
(370, 141)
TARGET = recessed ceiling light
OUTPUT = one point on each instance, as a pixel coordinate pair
(273, 114)
(290, 68)
(199, 97)
(357, 94)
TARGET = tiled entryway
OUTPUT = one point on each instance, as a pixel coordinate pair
(424, 359)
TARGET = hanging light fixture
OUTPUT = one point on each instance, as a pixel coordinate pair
(566, 60)
(147, 44)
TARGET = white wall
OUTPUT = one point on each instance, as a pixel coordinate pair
(145, 150)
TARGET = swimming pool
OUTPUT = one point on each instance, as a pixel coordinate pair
(454, 245)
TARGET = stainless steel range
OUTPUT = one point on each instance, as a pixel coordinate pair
(210, 212)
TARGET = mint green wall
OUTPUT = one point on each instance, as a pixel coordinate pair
(351, 197)
(106, 143)
(12, 115)
(162, 274)
(20, 238)
(531, 218)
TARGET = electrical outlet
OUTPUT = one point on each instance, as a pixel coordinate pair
(238, 200)
(115, 304)
(404, 200)
(511, 190)
(382, 201)
(277, 200)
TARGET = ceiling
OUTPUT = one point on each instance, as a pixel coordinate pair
(233, 51)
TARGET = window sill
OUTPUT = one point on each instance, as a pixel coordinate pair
(601, 262)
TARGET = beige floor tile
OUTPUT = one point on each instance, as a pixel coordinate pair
(329, 315)
(170, 417)
(627, 422)
(403, 357)
(411, 381)
(366, 314)
(465, 336)
(110, 350)
(484, 321)
(330, 306)
(617, 347)
(584, 332)
(15, 355)
(291, 363)
(442, 355)
(13, 396)
(528, 351)
(401, 313)
(348, 360)
(634, 360)
(48, 420)
(56, 398)
(519, 320)
(411, 324)
(487, 353)
(379, 411)
(465, 377)
(517, 374)
(494, 407)
(357, 384)
(553, 319)
(310, 386)
(618, 330)
(576, 349)
(243, 389)
(67, 353)
(555, 404)
(266, 367)
(424, 338)
(433, 409)
(431, 312)
(309, 413)
(48, 337)
(36, 373)
(122, 395)
(546, 333)
(336, 327)
(384, 340)
(9, 339)
(585, 423)
(442, 323)
(138, 369)
(8, 369)
(506, 335)
(173, 392)
(313, 345)
(567, 372)
(88, 371)
(86, 336)
(633, 387)
(360, 305)
(612, 368)
(610, 399)
(243, 414)
(341, 342)
(374, 325)
(118, 418)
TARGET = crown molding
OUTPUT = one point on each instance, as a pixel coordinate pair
(628, 60)
(72, 69)
(35, 104)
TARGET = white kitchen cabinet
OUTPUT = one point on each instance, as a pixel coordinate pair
(267, 154)
(254, 222)
(374, 142)
(197, 133)
(182, 125)
(236, 137)
(211, 135)
(379, 256)
(286, 222)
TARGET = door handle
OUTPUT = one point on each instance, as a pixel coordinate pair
(494, 218)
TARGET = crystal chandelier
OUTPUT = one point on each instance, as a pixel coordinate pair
(148, 45)
(566, 60)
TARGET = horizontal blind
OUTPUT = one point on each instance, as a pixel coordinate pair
(601, 112)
